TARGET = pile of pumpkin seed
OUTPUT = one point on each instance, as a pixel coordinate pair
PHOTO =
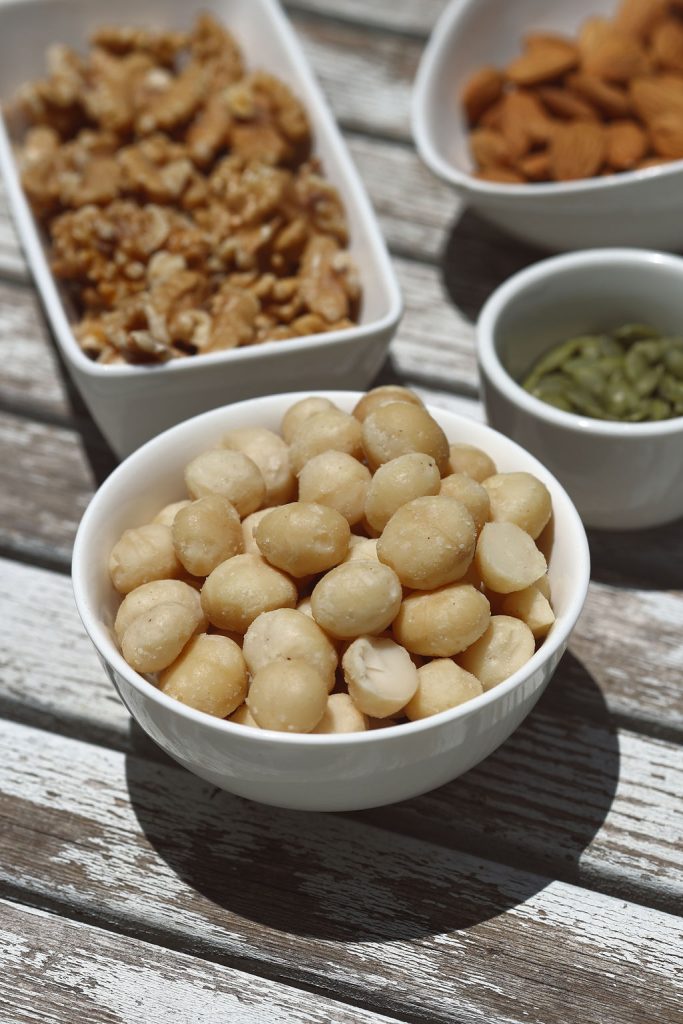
(632, 374)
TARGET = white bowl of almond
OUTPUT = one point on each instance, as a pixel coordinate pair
(561, 123)
(188, 208)
(330, 601)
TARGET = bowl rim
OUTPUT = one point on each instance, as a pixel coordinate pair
(440, 41)
(104, 645)
(36, 251)
(514, 287)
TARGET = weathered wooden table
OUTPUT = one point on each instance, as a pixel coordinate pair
(543, 887)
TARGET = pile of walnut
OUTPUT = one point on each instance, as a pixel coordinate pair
(339, 577)
(609, 101)
(183, 207)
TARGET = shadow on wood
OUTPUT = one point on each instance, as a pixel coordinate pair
(477, 258)
(645, 559)
(441, 862)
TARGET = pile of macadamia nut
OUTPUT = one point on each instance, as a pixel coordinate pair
(350, 574)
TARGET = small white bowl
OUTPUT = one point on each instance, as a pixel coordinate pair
(642, 208)
(620, 475)
(330, 773)
(133, 403)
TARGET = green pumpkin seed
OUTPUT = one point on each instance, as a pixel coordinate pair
(629, 333)
(647, 384)
(659, 409)
(670, 388)
(673, 360)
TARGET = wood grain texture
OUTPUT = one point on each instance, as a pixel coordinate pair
(392, 15)
(322, 900)
(30, 376)
(45, 485)
(568, 792)
(54, 970)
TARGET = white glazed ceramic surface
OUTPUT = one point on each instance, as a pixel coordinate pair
(620, 475)
(331, 773)
(133, 403)
(642, 208)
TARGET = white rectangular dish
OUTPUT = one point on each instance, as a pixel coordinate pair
(133, 403)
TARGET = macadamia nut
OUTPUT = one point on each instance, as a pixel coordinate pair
(428, 542)
(243, 587)
(362, 548)
(397, 482)
(473, 462)
(168, 512)
(399, 428)
(380, 676)
(209, 676)
(287, 634)
(441, 685)
(532, 607)
(303, 538)
(333, 430)
(357, 598)
(337, 480)
(142, 554)
(141, 600)
(248, 526)
(229, 473)
(443, 622)
(384, 395)
(270, 453)
(519, 498)
(506, 645)
(155, 639)
(243, 716)
(206, 532)
(472, 495)
(341, 715)
(298, 413)
(288, 696)
(507, 558)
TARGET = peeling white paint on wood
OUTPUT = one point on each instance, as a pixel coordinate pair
(381, 895)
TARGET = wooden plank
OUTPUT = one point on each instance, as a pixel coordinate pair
(391, 15)
(404, 927)
(31, 374)
(54, 970)
(45, 484)
(567, 792)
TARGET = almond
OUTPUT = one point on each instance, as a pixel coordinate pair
(540, 39)
(655, 95)
(638, 17)
(651, 161)
(609, 99)
(627, 144)
(667, 44)
(488, 148)
(500, 174)
(577, 150)
(543, 62)
(492, 116)
(536, 166)
(523, 123)
(592, 33)
(617, 58)
(565, 104)
(666, 134)
(480, 91)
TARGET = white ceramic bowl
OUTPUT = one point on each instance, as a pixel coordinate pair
(620, 475)
(331, 773)
(641, 208)
(133, 403)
